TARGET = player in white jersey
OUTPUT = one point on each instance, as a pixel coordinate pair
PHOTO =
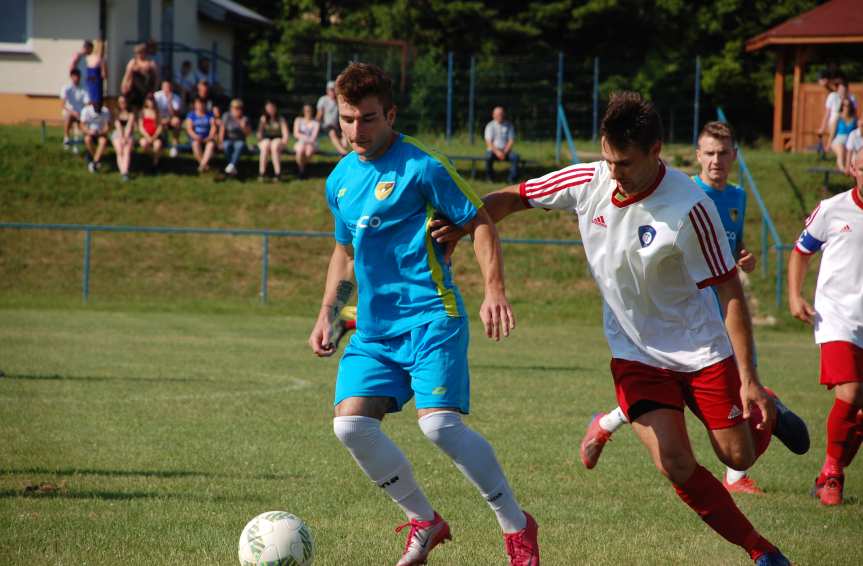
(836, 228)
(654, 247)
(716, 153)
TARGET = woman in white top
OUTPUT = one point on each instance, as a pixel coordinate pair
(123, 137)
(306, 130)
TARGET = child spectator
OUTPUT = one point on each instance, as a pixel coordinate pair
(95, 120)
(846, 123)
(170, 107)
(123, 138)
(232, 135)
(95, 66)
(306, 130)
(272, 138)
(150, 129)
(201, 128)
(328, 116)
(74, 99)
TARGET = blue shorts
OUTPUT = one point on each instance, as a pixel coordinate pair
(429, 361)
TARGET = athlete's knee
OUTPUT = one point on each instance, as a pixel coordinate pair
(676, 465)
(445, 429)
(355, 431)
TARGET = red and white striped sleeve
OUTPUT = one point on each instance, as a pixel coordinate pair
(706, 252)
(558, 189)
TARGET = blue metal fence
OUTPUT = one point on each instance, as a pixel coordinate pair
(265, 235)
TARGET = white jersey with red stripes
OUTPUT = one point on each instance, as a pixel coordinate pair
(836, 228)
(653, 256)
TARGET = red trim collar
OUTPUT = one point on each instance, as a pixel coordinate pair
(855, 195)
(640, 196)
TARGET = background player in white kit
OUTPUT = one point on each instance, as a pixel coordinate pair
(654, 246)
(716, 153)
(836, 228)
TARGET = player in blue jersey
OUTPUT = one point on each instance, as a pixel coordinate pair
(411, 338)
(716, 153)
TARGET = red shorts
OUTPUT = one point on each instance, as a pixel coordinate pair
(712, 393)
(841, 362)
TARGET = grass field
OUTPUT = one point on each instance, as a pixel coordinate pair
(158, 435)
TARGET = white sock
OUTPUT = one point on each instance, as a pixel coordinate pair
(383, 463)
(475, 458)
(613, 420)
(732, 476)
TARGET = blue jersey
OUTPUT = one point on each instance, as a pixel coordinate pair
(201, 123)
(731, 204)
(382, 207)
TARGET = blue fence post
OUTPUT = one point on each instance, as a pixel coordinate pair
(85, 277)
(471, 99)
(765, 249)
(265, 267)
(595, 98)
(696, 106)
(449, 71)
(780, 268)
(559, 124)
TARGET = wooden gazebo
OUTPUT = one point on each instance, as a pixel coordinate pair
(835, 23)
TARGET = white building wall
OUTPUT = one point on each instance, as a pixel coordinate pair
(59, 29)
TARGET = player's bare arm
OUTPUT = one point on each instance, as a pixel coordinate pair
(798, 265)
(498, 205)
(340, 269)
(495, 312)
(738, 322)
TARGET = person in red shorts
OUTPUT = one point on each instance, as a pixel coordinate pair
(655, 247)
(836, 228)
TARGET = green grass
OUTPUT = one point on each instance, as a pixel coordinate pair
(165, 432)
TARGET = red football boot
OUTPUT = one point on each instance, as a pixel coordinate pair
(593, 442)
(422, 538)
(523, 547)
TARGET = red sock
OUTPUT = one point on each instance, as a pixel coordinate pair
(761, 437)
(843, 436)
(706, 496)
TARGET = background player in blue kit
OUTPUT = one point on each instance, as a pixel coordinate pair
(412, 337)
(716, 153)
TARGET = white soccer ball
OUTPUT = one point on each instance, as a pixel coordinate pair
(276, 538)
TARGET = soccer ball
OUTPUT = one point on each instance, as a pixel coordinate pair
(276, 538)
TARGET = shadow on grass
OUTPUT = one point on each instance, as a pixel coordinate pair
(164, 474)
(109, 495)
(58, 377)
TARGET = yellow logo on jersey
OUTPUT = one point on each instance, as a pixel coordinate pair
(384, 189)
(342, 192)
(734, 214)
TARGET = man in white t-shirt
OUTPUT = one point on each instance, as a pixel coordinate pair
(654, 244)
(328, 116)
(499, 138)
(836, 228)
(170, 107)
(95, 119)
(73, 98)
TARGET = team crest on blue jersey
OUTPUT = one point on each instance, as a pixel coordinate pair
(384, 189)
(646, 234)
(734, 214)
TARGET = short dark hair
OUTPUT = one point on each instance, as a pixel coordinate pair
(718, 130)
(75, 72)
(360, 80)
(631, 120)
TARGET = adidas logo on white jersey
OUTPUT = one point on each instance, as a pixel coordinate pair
(599, 221)
(734, 413)
(845, 228)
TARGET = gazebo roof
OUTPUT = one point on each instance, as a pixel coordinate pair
(837, 21)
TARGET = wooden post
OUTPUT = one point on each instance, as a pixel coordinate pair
(778, 101)
(796, 123)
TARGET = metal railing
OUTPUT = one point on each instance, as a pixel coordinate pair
(265, 235)
(768, 227)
